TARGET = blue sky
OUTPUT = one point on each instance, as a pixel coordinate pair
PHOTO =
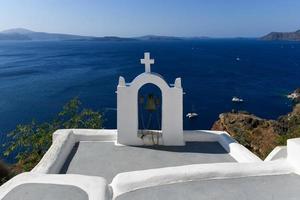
(215, 18)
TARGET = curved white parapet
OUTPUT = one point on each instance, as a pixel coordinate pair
(293, 153)
(95, 187)
(130, 181)
(55, 157)
(63, 142)
(236, 150)
(278, 152)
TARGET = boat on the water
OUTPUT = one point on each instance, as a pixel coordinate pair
(191, 115)
(237, 100)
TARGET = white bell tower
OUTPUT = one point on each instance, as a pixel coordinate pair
(127, 108)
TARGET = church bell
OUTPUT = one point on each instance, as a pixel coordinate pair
(151, 103)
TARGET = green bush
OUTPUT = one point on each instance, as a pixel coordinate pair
(31, 141)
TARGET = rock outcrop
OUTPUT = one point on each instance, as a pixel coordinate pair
(259, 135)
(292, 36)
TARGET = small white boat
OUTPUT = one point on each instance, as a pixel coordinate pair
(192, 115)
(237, 100)
(238, 59)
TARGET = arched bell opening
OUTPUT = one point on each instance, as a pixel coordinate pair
(150, 114)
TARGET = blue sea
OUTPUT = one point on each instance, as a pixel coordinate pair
(38, 78)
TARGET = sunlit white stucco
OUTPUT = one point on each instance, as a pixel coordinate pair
(127, 106)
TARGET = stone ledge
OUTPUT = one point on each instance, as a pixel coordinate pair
(95, 187)
(130, 181)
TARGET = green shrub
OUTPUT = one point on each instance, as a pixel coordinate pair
(31, 141)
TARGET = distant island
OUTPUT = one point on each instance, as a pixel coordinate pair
(21, 34)
(25, 34)
(289, 36)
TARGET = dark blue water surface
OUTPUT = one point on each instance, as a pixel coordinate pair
(38, 78)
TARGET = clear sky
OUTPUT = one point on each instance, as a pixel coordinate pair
(215, 18)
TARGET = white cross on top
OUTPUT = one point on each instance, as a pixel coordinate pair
(147, 62)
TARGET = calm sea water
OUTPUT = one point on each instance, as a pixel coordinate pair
(38, 78)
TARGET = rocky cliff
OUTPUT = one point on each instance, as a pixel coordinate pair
(4, 172)
(259, 135)
(292, 36)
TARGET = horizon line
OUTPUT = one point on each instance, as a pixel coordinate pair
(133, 35)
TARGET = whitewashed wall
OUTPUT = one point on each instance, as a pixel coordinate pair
(172, 110)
